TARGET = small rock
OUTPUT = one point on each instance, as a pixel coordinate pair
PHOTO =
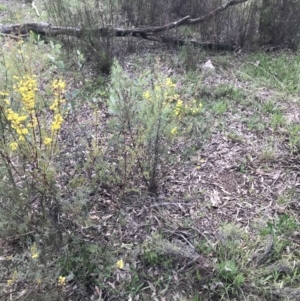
(208, 66)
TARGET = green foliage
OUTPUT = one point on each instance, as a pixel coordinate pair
(280, 71)
(153, 258)
(268, 155)
(277, 120)
(230, 269)
(159, 252)
(27, 268)
(228, 273)
(190, 57)
(203, 247)
(294, 136)
(284, 224)
(269, 107)
(81, 261)
(30, 126)
(147, 117)
(220, 107)
(225, 91)
(235, 137)
(56, 52)
(31, 140)
(231, 238)
(237, 270)
(77, 157)
(255, 123)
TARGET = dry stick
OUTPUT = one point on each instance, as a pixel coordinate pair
(145, 33)
(168, 204)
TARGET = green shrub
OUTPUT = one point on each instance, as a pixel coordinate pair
(147, 119)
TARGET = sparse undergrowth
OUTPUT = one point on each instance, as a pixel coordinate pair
(160, 182)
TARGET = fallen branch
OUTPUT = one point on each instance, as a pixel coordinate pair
(149, 33)
(216, 11)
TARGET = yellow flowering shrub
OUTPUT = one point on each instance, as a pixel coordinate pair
(32, 112)
(27, 87)
(167, 90)
(154, 114)
(26, 123)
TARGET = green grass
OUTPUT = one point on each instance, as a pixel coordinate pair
(278, 71)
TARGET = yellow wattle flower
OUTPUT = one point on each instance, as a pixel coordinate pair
(13, 146)
(61, 280)
(47, 141)
(120, 264)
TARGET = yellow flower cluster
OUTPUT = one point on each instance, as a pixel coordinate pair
(24, 121)
(169, 83)
(193, 108)
(27, 87)
(17, 123)
(120, 264)
(56, 123)
(34, 251)
(164, 90)
(61, 281)
(47, 141)
(58, 87)
(38, 281)
(13, 146)
(172, 99)
(4, 94)
(179, 108)
(147, 95)
(174, 130)
(14, 277)
(190, 108)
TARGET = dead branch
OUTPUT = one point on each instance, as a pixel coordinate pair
(149, 33)
(216, 11)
